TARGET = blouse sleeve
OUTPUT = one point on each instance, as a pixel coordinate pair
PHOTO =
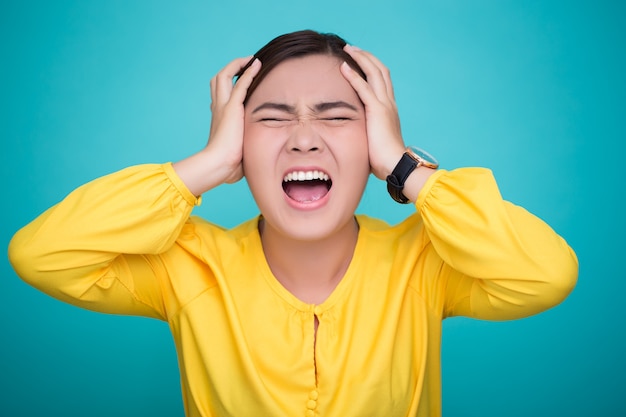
(502, 262)
(73, 251)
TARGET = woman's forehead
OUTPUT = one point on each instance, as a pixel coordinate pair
(311, 77)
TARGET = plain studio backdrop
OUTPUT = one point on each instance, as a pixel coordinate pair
(534, 90)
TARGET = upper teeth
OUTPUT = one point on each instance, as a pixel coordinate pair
(306, 176)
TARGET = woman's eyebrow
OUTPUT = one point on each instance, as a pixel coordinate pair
(318, 108)
(329, 105)
(275, 106)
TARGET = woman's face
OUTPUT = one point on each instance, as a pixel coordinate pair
(305, 151)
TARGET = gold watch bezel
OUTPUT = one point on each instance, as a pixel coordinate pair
(422, 157)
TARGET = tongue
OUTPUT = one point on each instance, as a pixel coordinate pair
(307, 191)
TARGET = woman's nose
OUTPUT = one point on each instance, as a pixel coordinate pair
(304, 138)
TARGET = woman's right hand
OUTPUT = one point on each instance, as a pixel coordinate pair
(221, 160)
(226, 135)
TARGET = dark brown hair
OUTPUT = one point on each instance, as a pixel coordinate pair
(294, 45)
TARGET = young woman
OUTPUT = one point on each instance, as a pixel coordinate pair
(306, 309)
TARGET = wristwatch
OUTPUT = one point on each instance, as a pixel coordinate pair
(412, 158)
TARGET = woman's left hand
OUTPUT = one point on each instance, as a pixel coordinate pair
(384, 137)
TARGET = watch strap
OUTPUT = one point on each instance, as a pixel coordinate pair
(397, 178)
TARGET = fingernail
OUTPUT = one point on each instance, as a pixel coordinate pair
(352, 47)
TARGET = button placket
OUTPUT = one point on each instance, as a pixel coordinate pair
(311, 404)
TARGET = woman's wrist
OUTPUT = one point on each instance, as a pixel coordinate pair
(202, 171)
(409, 173)
(415, 182)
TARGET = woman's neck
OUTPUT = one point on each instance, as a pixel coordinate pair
(310, 270)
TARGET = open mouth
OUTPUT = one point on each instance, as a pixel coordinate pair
(306, 186)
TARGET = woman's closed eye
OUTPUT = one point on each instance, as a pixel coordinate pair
(274, 116)
(273, 119)
(287, 120)
(336, 120)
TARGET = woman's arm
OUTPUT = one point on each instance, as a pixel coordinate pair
(499, 261)
(99, 248)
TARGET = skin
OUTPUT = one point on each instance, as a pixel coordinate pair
(305, 114)
(309, 112)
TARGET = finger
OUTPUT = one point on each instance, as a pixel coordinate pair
(224, 79)
(377, 73)
(372, 72)
(213, 93)
(245, 80)
(384, 71)
(362, 87)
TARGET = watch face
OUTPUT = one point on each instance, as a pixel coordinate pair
(427, 159)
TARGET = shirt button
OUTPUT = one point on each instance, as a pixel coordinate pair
(310, 413)
(313, 395)
(311, 404)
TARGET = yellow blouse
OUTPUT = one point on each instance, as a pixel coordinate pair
(126, 244)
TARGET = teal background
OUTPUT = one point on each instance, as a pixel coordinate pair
(534, 90)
